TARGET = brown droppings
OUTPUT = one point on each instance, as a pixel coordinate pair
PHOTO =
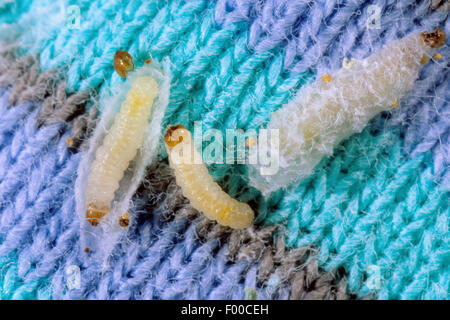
(86, 250)
(326, 78)
(148, 61)
(434, 39)
(124, 220)
(169, 137)
(123, 63)
(94, 214)
(424, 59)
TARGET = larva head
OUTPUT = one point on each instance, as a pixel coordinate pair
(94, 214)
(435, 39)
(175, 135)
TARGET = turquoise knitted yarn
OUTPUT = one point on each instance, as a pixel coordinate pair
(371, 222)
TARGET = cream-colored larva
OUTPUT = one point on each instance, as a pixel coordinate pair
(119, 147)
(340, 104)
(197, 184)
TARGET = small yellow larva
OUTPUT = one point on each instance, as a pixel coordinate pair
(119, 147)
(199, 187)
(337, 105)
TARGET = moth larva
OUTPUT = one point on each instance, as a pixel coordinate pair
(119, 147)
(199, 187)
(338, 105)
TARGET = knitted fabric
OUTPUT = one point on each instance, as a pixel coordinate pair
(371, 222)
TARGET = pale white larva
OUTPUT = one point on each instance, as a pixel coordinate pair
(119, 147)
(197, 184)
(338, 105)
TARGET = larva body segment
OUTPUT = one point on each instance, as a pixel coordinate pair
(119, 147)
(338, 105)
(199, 187)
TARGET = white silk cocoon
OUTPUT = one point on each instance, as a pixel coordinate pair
(101, 239)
